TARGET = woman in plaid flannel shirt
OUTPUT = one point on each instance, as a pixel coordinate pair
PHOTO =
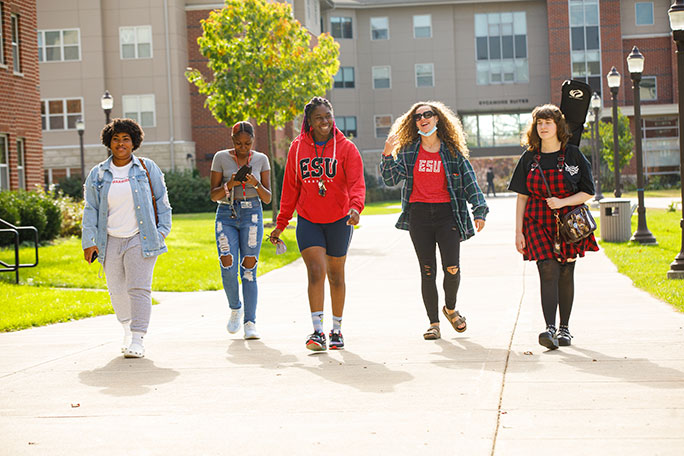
(568, 174)
(426, 148)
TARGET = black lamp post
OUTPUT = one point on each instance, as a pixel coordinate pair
(80, 127)
(614, 84)
(635, 63)
(107, 103)
(596, 153)
(676, 14)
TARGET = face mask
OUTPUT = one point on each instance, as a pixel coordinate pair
(429, 133)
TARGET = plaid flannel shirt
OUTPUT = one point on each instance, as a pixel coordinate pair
(461, 184)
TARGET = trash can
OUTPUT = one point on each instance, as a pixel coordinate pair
(616, 219)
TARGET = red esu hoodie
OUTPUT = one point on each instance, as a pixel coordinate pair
(341, 169)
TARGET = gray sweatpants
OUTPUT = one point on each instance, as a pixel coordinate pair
(129, 280)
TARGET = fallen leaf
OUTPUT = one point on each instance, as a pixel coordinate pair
(75, 405)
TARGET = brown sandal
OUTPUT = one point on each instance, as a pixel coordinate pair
(432, 333)
(456, 320)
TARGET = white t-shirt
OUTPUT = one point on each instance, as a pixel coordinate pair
(121, 221)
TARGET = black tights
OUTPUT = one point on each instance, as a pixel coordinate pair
(557, 289)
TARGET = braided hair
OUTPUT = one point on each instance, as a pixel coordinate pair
(308, 109)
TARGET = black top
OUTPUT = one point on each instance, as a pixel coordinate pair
(576, 171)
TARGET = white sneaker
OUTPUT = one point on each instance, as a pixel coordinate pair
(136, 348)
(127, 337)
(235, 320)
(251, 331)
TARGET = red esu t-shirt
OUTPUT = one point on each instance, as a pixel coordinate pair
(429, 179)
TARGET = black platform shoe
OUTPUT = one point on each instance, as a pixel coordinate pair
(564, 336)
(548, 338)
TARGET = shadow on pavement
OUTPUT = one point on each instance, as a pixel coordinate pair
(127, 377)
(471, 355)
(257, 353)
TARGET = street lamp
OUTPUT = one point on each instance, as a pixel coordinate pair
(614, 84)
(107, 103)
(596, 106)
(635, 63)
(80, 126)
(676, 14)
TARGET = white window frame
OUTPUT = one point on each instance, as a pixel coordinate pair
(636, 15)
(4, 167)
(375, 124)
(42, 54)
(341, 29)
(389, 68)
(432, 74)
(344, 130)
(21, 163)
(125, 99)
(341, 73)
(429, 16)
(65, 114)
(2, 37)
(15, 36)
(136, 43)
(655, 84)
(387, 28)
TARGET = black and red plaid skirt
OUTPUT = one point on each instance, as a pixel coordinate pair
(539, 223)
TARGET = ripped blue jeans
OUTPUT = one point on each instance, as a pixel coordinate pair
(239, 232)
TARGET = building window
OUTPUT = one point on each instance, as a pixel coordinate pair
(422, 26)
(493, 130)
(2, 37)
(140, 108)
(347, 125)
(4, 163)
(425, 75)
(341, 27)
(585, 46)
(644, 13)
(379, 28)
(648, 88)
(14, 24)
(382, 77)
(136, 42)
(21, 174)
(60, 114)
(344, 79)
(59, 45)
(383, 124)
(501, 48)
(660, 145)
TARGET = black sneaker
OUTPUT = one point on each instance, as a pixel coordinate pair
(548, 338)
(564, 336)
(336, 341)
(316, 342)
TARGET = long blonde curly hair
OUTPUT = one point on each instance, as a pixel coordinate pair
(449, 128)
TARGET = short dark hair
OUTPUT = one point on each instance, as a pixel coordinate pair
(310, 106)
(243, 126)
(129, 126)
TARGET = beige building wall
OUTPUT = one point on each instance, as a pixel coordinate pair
(661, 21)
(168, 141)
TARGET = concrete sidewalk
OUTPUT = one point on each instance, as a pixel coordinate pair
(65, 389)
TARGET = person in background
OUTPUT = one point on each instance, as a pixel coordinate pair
(490, 181)
(324, 182)
(426, 148)
(239, 222)
(126, 218)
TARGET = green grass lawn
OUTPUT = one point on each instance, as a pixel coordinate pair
(647, 266)
(382, 207)
(666, 193)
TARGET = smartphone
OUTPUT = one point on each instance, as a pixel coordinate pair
(94, 256)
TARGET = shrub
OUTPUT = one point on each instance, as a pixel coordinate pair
(376, 190)
(72, 215)
(71, 186)
(38, 209)
(188, 192)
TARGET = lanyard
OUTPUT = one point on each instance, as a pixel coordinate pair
(249, 158)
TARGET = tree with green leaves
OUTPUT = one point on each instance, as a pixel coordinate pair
(263, 66)
(625, 142)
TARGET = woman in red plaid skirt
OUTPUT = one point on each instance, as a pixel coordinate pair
(568, 174)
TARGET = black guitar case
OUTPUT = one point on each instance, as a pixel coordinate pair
(575, 99)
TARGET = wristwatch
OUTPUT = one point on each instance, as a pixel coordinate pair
(256, 187)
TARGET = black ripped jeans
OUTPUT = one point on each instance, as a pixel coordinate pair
(433, 224)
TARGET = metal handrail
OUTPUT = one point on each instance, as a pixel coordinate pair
(15, 267)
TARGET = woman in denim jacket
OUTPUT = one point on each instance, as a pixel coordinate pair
(126, 218)
(426, 148)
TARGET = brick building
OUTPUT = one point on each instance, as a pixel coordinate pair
(21, 153)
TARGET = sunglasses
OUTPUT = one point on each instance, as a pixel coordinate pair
(426, 114)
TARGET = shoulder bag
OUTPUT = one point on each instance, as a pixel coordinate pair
(154, 200)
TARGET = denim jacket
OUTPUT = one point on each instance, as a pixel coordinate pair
(461, 185)
(96, 210)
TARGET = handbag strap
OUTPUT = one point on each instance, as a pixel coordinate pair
(154, 200)
(548, 190)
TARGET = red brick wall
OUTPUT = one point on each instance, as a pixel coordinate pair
(559, 46)
(658, 62)
(611, 50)
(19, 94)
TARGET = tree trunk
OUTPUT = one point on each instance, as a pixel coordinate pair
(274, 191)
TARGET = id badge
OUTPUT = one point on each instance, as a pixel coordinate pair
(246, 204)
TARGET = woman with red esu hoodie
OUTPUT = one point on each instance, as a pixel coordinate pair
(324, 183)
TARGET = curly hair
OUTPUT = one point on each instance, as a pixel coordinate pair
(308, 109)
(531, 137)
(129, 126)
(449, 128)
